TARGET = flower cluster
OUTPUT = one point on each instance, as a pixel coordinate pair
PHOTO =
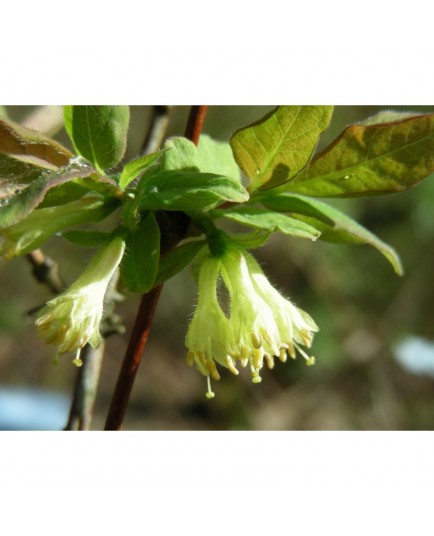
(259, 326)
(72, 319)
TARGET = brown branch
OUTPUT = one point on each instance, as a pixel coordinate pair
(174, 226)
(195, 123)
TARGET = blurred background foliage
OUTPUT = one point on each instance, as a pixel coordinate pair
(365, 312)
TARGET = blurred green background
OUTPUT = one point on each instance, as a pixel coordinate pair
(366, 314)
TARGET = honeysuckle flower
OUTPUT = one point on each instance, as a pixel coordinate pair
(260, 325)
(29, 233)
(209, 337)
(72, 319)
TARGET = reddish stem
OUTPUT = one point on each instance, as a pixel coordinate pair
(195, 123)
(145, 314)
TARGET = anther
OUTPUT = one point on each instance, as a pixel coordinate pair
(270, 361)
(256, 341)
(77, 361)
(231, 365)
(190, 358)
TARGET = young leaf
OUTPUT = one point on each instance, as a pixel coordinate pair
(31, 232)
(99, 133)
(189, 191)
(88, 238)
(133, 168)
(21, 205)
(371, 159)
(217, 157)
(270, 221)
(30, 146)
(335, 226)
(139, 266)
(273, 150)
(180, 153)
(24, 155)
(177, 259)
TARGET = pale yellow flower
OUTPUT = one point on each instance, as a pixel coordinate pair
(260, 323)
(72, 319)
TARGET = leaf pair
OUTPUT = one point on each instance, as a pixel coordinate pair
(388, 153)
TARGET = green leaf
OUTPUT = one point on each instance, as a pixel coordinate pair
(189, 191)
(139, 266)
(370, 160)
(99, 133)
(270, 221)
(217, 157)
(335, 226)
(177, 259)
(33, 231)
(180, 153)
(88, 238)
(210, 156)
(135, 167)
(273, 150)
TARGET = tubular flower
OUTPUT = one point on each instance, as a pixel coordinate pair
(72, 319)
(260, 325)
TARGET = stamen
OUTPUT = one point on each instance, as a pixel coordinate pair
(306, 337)
(270, 361)
(310, 360)
(245, 352)
(213, 369)
(256, 341)
(190, 358)
(266, 336)
(77, 361)
(283, 356)
(209, 394)
(202, 358)
(231, 365)
(258, 356)
(255, 376)
(291, 351)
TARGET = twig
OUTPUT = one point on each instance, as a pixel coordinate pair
(148, 304)
(86, 385)
(45, 271)
(157, 131)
